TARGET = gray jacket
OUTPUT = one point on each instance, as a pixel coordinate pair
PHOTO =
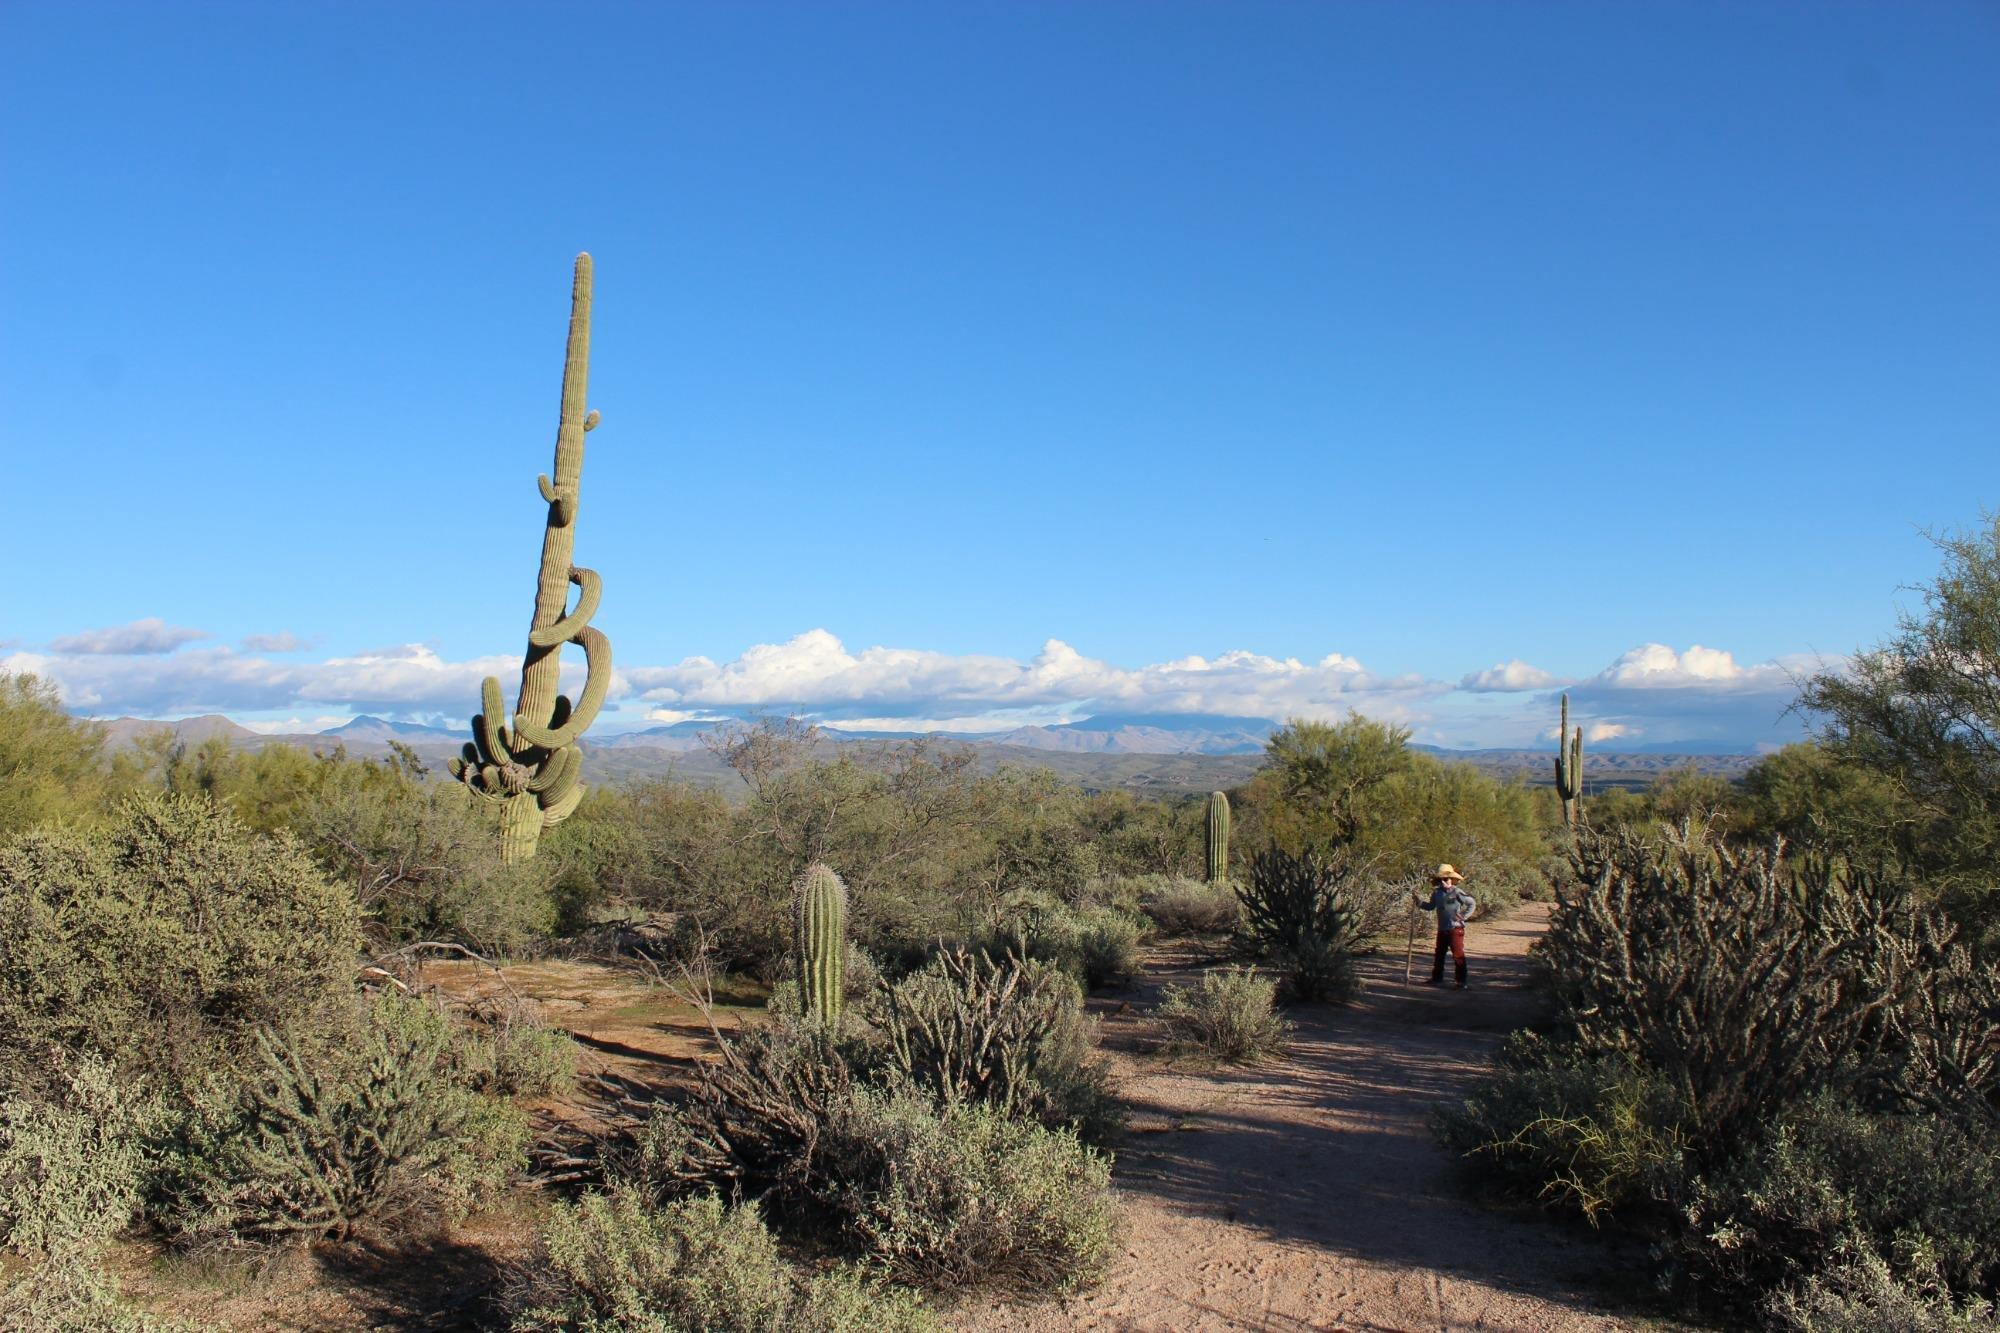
(1453, 905)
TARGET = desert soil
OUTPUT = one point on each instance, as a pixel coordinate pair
(1310, 1193)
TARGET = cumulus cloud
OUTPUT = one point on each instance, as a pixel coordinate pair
(1505, 677)
(1607, 731)
(1700, 694)
(149, 636)
(816, 672)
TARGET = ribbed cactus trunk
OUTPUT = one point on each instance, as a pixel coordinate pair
(1218, 838)
(1569, 768)
(530, 769)
(819, 937)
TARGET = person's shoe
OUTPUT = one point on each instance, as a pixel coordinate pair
(1462, 985)
(1434, 981)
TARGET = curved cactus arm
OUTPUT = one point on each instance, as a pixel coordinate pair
(486, 728)
(591, 588)
(563, 809)
(562, 505)
(558, 775)
(596, 680)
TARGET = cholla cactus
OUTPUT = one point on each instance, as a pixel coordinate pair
(1218, 838)
(819, 937)
(530, 769)
(1569, 768)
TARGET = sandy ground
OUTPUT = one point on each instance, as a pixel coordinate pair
(1309, 1193)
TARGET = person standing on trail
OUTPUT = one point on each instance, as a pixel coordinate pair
(1454, 907)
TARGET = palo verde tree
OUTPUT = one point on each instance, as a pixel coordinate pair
(1923, 711)
(530, 769)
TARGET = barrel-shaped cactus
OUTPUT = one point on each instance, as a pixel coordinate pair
(529, 769)
(819, 938)
(1218, 838)
(1569, 767)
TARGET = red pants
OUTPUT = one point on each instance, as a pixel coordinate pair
(1453, 940)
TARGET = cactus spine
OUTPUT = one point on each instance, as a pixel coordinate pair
(529, 768)
(1569, 768)
(1218, 838)
(819, 936)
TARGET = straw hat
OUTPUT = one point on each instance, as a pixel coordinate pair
(1448, 874)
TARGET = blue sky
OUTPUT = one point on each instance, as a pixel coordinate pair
(1376, 345)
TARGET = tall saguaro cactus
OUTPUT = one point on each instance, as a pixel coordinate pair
(1218, 838)
(530, 769)
(819, 935)
(1569, 768)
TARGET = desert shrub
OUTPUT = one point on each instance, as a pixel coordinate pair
(1229, 1015)
(1826, 1180)
(1008, 1033)
(1191, 906)
(328, 1132)
(619, 1261)
(1096, 945)
(967, 1196)
(1861, 1294)
(513, 1052)
(1597, 1134)
(71, 1159)
(1295, 912)
(165, 941)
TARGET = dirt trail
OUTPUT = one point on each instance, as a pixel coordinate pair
(1309, 1193)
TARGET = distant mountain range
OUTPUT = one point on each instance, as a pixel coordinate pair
(1170, 754)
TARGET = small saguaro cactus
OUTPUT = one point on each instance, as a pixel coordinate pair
(1569, 767)
(819, 938)
(1218, 838)
(530, 769)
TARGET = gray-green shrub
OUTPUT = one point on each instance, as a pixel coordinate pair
(71, 1158)
(967, 1196)
(618, 1260)
(1006, 1032)
(166, 940)
(333, 1130)
(1180, 906)
(1862, 1294)
(1229, 1014)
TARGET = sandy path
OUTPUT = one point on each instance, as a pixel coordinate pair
(1309, 1194)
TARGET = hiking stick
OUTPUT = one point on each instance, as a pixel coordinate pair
(1410, 949)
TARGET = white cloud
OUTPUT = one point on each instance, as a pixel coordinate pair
(815, 672)
(1607, 731)
(1508, 676)
(281, 642)
(151, 635)
(294, 726)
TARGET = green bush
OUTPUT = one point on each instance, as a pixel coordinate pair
(1597, 1134)
(1827, 1180)
(513, 1052)
(1098, 946)
(1296, 912)
(1191, 906)
(616, 1261)
(968, 1197)
(333, 1130)
(165, 941)
(1229, 1015)
(1006, 1032)
(1861, 1294)
(71, 1159)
